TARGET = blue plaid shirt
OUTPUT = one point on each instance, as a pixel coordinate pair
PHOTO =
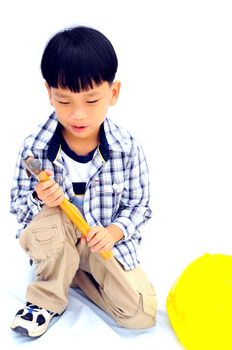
(117, 188)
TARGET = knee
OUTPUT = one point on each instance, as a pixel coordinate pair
(145, 317)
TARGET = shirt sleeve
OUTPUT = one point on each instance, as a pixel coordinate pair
(23, 204)
(134, 208)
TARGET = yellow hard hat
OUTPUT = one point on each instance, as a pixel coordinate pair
(199, 305)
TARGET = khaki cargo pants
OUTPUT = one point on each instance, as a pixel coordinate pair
(62, 260)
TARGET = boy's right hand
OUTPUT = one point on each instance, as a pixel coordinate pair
(49, 191)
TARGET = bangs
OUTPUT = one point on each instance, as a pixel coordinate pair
(74, 61)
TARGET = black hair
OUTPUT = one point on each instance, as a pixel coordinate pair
(76, 57)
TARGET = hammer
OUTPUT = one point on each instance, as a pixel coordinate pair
(33, 166)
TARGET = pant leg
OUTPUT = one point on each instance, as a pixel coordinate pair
(127, 296)
(50, 241)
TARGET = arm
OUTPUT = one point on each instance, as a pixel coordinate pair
(134, 208)
(24, 204)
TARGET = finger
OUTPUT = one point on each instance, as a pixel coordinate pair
(53, 191)
(54, 196)
(99, 236)
(102, 246)
(55, 202)
(92, 232)
(49, 194)
(41, 186)
(98, 243)
(83, 239)
(106, 248)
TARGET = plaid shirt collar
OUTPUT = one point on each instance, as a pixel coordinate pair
(110, 139)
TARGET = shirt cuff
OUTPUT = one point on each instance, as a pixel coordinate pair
(126, 226)
(34, 200)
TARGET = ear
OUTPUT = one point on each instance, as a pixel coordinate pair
(115, 89)
(49, 93)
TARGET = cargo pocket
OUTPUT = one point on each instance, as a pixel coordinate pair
(44, 243)
(44, 237)
(149, 301)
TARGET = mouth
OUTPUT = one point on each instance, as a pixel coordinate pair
(79, 128)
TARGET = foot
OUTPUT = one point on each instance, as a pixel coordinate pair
(32, 320)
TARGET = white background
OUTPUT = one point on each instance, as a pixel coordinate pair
(175, 64)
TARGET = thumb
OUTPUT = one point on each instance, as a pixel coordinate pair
(48, 172)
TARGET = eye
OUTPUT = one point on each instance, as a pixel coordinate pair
(63, 103)
(93, 101)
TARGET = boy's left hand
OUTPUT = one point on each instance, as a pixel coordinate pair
(99, 239)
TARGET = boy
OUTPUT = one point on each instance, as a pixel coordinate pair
(101, 169)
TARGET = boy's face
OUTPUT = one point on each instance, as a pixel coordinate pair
(81, 114)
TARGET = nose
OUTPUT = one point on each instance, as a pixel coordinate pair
(77, 113)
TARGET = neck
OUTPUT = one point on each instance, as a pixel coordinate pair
(81, 146)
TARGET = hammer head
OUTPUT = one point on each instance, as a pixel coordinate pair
(32, 165)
